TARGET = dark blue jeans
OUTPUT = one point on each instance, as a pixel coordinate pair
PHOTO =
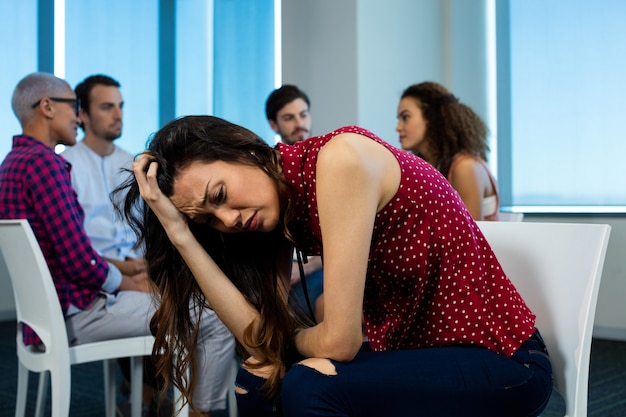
(315, 287)
(438, 382)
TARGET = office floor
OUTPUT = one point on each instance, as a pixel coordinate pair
(607, 384)
(87, 398)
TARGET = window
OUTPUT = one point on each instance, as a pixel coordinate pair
(19, 57)
(172, 57)
(118, 38)
(561, 104)
(244, 57)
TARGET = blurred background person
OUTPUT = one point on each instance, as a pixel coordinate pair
(287, 111)
(434, 124)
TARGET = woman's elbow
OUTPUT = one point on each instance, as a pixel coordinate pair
(344, 349)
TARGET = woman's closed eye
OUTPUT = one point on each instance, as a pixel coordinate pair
(209, 219)
(200, 218)
(220, 196)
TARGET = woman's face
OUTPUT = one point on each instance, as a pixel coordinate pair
(227, 196)
(411, 126)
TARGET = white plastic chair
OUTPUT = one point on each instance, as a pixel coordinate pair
(509, 216)
(557, 268)
(37, 306)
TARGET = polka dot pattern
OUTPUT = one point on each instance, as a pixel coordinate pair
(432, 279)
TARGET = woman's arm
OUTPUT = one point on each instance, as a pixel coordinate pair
(225, 299)
(356, 177)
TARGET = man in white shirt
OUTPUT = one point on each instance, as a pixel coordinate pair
(97, 165)
(97, 169)
(287, 111)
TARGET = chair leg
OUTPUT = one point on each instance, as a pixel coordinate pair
(42, 393)
(22, 390)
(178, 398)
(136, 385)
(61, 383)
(232, 399)
(110, 387)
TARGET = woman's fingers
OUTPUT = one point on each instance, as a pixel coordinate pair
(152, 171)
(139, 165)
(145, 169)
(139, 169)
(151, 191)
(147, 178)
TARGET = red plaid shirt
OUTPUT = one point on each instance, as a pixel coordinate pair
(35, 184)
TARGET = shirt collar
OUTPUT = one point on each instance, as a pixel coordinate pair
(23, 141)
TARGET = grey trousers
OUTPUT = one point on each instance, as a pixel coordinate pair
(128, 314)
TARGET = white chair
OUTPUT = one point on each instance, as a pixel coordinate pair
(557, 268)
(509, 216)
(37, 306)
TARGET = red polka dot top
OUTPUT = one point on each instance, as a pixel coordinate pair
(432, 279)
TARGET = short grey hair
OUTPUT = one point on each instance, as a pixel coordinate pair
(34, 87)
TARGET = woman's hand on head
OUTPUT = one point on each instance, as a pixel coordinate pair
(145, 169)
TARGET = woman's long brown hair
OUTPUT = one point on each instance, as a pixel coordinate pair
(257, 263)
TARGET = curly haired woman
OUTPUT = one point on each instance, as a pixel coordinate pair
(452, 137)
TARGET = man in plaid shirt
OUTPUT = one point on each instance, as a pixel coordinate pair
(35, 184)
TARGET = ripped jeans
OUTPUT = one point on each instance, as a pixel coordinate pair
(445, 381)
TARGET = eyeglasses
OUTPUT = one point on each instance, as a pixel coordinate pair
(74, 102)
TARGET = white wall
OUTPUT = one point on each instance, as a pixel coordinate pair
(319, 55)
(400, 42)
(355, 57)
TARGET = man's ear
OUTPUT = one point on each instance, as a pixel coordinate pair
(45, 107)
(273, 125)
(82, 115)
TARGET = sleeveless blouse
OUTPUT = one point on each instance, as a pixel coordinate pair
(432, 279)
(491, 204)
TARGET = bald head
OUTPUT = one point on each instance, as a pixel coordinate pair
(46, 107)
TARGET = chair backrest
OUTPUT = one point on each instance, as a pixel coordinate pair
(507, 216)
(556, 267)
(36, 301)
